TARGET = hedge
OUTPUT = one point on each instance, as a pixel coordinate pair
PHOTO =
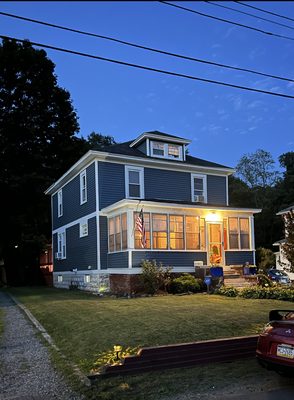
(257, 292)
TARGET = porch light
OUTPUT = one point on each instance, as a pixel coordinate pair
(212, 217)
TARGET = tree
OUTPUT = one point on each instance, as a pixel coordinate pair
(97, 141)
(288, 246)
(37, 144)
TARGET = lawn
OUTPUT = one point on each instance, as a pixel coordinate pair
(83, 325)
(1, 322)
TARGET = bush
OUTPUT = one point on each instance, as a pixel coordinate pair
(265, 259)
(185, 283)
(264, 281)
(229, 291)
(258, 292)
(154, 277)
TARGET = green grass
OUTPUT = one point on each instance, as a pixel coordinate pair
(1, 322)
(82, 325)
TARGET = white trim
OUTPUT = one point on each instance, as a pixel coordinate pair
(130, 259)
(148, 135)
(184, 152)
(73, 223)
(59, 203)
(93, 155)
(82, 271)
(240, 250)
(204, 179)
(227, 189)
(61, 244)
(252, 234)
(97, 214)
(170, 250)
(138, 270)
(221, 224)
(129, 168)
(148, 147)
(83, 187)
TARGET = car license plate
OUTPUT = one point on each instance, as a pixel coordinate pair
(285, 351)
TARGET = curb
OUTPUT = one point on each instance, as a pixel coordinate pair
(83, 378)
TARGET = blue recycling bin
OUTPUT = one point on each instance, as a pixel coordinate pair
(216, 272)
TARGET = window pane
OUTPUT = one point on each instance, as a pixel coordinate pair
(173, 151)
(134, 190)
(234, 241)
(198, 184)
(244, 233)
(233, 233)
(111, 230)
(192, 233)
(176, 232)
(159, 231)
(225, 234)
(202, 234)
(138, 236)
(117, 233)
(244, 241)
(244, 225)
(158, 148)
(134, 177)
(124, 231)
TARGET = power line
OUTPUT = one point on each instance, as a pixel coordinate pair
(46, 46)
(264, 11)
(227, 21)
(251, 15)
(145, 47)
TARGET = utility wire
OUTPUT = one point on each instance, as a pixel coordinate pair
(145, 47)
(264, 11)
(227, 21)
(46, 46)
(251, 15)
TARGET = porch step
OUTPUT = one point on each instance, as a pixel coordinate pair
(237, 282)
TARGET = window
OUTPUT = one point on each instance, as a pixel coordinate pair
(134, 182)
(59, 278)
(198, 185)
(176, 232)
(59, 203)
(61, 245)
(83, 187)
(138, 237)
(117, 233)
(87, 278)
(159, 231)
(195, 233)
(166, 150)
(84, 228)
(239, 233)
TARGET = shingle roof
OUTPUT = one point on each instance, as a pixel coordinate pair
(125, 149)
(286, 210)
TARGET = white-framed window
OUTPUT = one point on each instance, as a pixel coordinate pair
(199, 188)
(239, 233)
(166, 150)
(134, 180)
(83, 187)
(61, 245)
(59, 203)
(84, 228)
(87, 278)
(117, 233)
(59, 278)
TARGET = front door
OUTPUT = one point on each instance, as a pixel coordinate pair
(215, 247)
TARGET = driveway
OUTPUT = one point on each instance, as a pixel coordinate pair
(26, 371)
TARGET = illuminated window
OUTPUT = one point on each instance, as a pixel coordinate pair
(195, 233)
(124, 231)
(59, 278)
(159, 231)
(176, 232)
(173, 151)
(87, 278)
(166, 150)
(117, 233)
(244, 233)
(233, 233)
(239, 233)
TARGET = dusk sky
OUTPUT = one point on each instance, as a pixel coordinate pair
(223, 123)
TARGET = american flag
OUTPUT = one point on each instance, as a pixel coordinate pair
(140, 226)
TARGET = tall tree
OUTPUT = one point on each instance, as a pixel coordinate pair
(97, 141)
(37, 144)
(288, 246)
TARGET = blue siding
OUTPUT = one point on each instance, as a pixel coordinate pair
(172, 259)
(111, 183)
(143, 147)
(168, 185)
(103, 242)
(239, 257)
(72, 209)
(80, 252)
(216, 190)
(118, 260)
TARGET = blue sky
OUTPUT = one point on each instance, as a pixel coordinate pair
(223, 123)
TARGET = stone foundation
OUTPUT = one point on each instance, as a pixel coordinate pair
(95, 283)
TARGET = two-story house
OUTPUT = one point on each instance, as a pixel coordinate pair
(185, 203)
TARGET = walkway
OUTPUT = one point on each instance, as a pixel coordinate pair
(26, 371)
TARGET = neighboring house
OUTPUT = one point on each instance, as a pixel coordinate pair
(281, 261)
(187, 217)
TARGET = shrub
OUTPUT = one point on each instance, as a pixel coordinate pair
(265, 258)
(264, 281)
(112, 357)
(185, 283)
(258, 292)
(154, 277)
(229, 291)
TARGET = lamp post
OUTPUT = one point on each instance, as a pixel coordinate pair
(117, 350)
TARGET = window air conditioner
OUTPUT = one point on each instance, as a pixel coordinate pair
(199, 199)
(58, 256)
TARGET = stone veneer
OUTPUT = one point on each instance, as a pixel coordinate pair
(99, 283)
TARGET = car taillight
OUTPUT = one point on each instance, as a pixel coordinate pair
(268, 328)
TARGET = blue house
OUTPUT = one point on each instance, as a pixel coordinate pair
(187, 218)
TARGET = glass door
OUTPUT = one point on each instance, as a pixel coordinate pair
(215, 246)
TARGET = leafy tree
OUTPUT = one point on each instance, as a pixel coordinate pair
(97, 141)
(265, 259)
(37, 144)
(288, 246)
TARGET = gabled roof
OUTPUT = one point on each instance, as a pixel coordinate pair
(286, 210)
(159, 136)
(125, 149)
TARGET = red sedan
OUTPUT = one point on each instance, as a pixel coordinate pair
(275, 347)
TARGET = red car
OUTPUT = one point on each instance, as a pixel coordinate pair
(275, 347)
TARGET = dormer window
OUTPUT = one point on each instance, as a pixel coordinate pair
(167, 150)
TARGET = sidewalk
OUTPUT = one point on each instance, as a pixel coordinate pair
(26, 371)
